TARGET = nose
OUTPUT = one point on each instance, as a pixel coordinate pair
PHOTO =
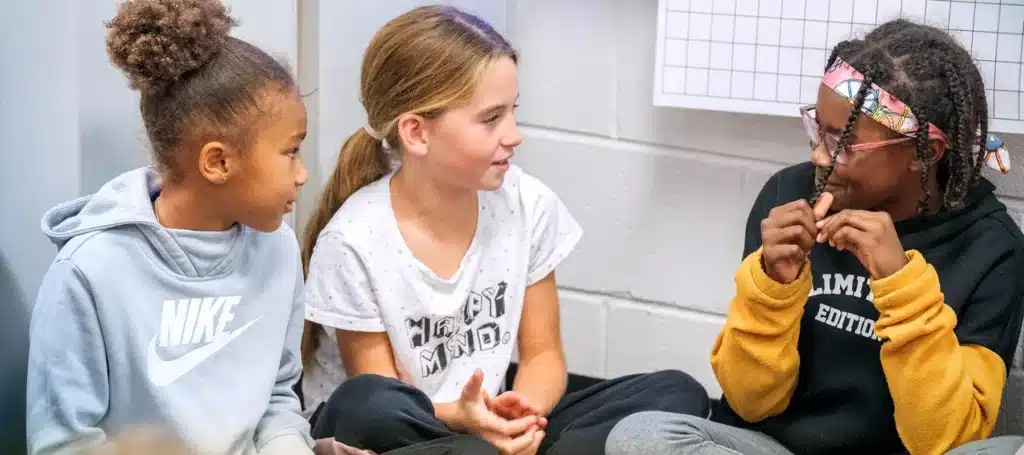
(820, 155)
(302, 176)
(513, 139)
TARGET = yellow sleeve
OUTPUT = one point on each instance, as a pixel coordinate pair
(755, 357)
(945, 394)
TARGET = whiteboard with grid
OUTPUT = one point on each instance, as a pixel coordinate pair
(768, 56)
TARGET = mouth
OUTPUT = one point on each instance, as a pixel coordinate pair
(503, 162)
(289, 206)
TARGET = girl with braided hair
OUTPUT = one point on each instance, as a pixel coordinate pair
(881, 296)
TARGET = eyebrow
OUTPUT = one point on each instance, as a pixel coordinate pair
(497, 107)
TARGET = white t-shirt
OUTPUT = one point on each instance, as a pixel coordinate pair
(362, 277)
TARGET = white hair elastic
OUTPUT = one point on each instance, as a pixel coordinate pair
(376, 135)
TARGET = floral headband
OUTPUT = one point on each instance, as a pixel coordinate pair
(894, 114)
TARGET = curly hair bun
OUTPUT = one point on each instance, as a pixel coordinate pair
(155, 42)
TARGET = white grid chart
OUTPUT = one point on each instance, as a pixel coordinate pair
(768, 56)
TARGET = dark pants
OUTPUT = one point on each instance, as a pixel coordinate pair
(382, 414)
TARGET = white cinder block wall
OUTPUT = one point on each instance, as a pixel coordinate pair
(662, 193)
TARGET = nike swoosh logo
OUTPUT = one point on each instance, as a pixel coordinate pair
(164, 372)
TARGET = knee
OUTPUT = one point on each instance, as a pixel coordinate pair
(678, 392)
(654, 432)
(1001, 445)
(676, 380)
(1007, 445)
(367, 398)
(360, 390)
(365, 383)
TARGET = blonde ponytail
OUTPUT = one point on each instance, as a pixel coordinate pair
(422, 62)
(362, 161)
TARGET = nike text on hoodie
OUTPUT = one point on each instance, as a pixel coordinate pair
(135, 324)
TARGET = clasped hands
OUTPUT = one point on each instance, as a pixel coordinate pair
(790, 230)
(509, 421)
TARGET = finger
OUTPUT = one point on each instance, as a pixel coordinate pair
(520, 443)
(516, 411)
(828, 226)
(471, 391)
(803, 217)
(506, 412)
(784, 252)
(799, 214)
(519, 404)
(508, 427)
(847, 238)
(797, 205)
(821, 207)
(507, 405)
(342, 449)
(538, 437)
(796, 235)
(855, 218)
(825, 226)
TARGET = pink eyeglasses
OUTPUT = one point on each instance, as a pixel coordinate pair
(818, 136)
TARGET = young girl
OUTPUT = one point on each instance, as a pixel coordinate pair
(881, 296)
(175, 299)
(425, 279)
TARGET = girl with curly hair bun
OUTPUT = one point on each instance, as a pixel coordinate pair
(175, 299)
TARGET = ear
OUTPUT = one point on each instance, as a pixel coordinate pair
(412, 133)
(937, 149)
(218, 162)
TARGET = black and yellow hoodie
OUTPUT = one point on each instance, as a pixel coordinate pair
(834, 363)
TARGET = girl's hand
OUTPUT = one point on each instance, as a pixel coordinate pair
(870, 236)
(329, 446)
(787, 235)
(512, 405)
(519, 436)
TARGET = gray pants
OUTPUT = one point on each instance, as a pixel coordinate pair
(663, 433)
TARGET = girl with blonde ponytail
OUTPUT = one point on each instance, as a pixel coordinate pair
(423, 277)
(362, 161)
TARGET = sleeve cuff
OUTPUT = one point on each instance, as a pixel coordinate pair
(771, 292)
(286, 444)
(910, 303)
(341, 322)
(906, 284)
(915, 266)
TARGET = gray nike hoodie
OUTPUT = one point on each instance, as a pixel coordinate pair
(135, 324)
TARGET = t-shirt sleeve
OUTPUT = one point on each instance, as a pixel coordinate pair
(339, 292)
(553, 231)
